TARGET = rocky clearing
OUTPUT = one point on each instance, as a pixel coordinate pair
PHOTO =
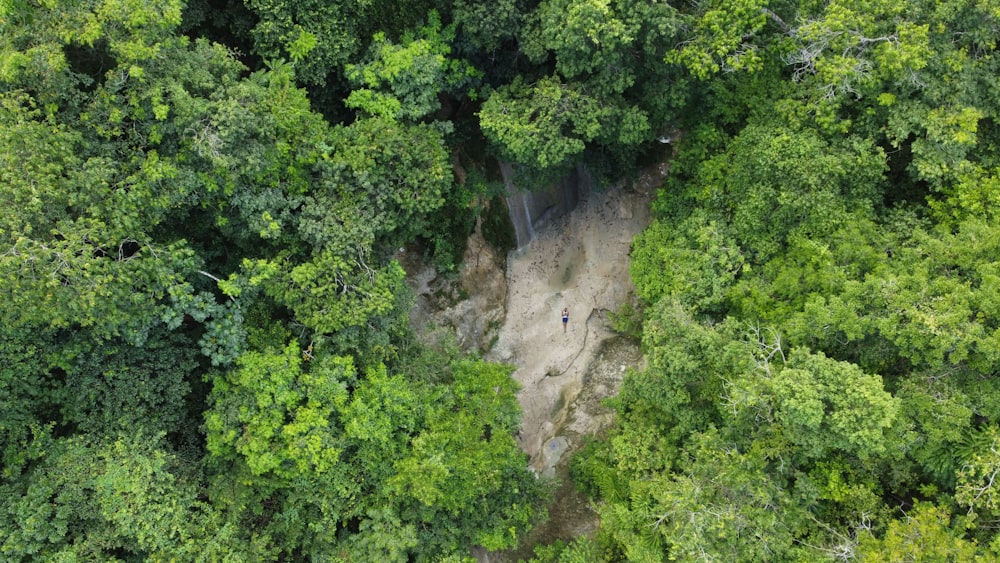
(578, 261)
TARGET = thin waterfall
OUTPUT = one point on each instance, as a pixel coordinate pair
(517, 207)
(530, 210)
(529, 225)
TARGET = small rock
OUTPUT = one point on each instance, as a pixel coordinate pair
(552, 452)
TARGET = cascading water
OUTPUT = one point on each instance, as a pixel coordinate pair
(529, 210)
(517, 207)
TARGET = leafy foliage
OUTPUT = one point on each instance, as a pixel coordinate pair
(205, 352)
(414, 73)
(813, 288)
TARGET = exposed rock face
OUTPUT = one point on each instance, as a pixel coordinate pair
(580, 262)
(473, 305)
(478, 318)
(531, 211)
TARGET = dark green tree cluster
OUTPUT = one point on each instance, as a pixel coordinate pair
(819, 297)
(205, 351)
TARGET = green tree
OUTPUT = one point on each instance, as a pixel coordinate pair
(926, 533)
(284, 413)
(721, 505)
(825, 405)
(322, 37)
(776, 182)
(464, 470)
(720, 38)
(694, 262)
(545, 125)
(118, 388)
(123, 497)
(977, 486)
(404, 81)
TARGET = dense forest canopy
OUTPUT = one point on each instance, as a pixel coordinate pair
(205, 351)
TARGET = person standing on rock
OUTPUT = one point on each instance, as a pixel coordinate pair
(565, 315)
